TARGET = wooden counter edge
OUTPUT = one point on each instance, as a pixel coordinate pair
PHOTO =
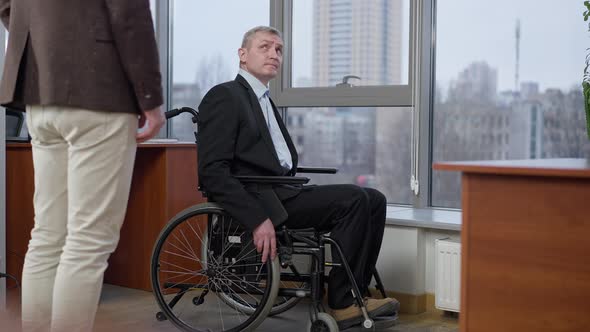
(576, 170)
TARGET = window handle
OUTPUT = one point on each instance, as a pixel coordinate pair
(345, 79)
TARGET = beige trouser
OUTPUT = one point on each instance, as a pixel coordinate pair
(83, 164)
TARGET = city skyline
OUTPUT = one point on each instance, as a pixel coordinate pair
(467, 31)
(552, 48)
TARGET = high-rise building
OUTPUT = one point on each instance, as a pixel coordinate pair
(357, 37)
(361, 38)
(529, 89)
(477, 82)
(526, 129)
(563, 131)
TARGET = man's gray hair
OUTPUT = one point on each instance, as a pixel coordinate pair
(250, 34)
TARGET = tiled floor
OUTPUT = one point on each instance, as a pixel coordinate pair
(123, 309)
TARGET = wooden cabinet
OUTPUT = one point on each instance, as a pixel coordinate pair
(164, 183)
(525, 237)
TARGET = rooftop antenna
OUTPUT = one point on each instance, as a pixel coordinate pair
(517, 55)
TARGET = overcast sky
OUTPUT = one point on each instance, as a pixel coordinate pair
(205, 29)
(554, 37)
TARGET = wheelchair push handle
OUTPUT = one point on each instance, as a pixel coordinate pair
(176, 111)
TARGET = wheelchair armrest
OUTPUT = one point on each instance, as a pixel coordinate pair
(272, 179)
(324, 170)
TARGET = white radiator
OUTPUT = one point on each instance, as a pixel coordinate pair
(447, 288)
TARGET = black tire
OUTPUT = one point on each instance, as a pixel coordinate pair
(187, 282)
(283, 304)
(323, 323)
(301, 263)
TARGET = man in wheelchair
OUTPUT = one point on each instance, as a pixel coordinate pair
(242, 134)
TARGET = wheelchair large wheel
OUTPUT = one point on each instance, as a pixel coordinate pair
(189, 282)
(281, 303)
(300, 264)
(323, 323)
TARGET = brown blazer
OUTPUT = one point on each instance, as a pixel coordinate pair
(93, 54)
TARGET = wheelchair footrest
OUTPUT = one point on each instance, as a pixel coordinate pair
(379, 323)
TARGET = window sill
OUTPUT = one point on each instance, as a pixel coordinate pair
(424, 218)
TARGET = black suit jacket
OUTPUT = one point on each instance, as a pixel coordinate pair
(233, 139)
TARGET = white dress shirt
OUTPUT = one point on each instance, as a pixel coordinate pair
(261, 91)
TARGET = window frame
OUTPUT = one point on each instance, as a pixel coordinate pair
(285, 95)
(164, 11)
(417, 94)
(3, 39)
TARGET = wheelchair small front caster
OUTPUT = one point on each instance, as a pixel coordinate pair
(160, 316)
(323, 323)
(368, 323)
(197, 300)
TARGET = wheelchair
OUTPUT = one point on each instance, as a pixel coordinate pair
(206, 274)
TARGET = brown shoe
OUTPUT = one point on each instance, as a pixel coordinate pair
(348, 317)
(382, 307)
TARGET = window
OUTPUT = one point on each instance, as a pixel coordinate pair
(522, 71)
(153, 10)
(206, 36)
(369, 145)
(375, 34)
(363, 128)
(481, 108)
(371, 36)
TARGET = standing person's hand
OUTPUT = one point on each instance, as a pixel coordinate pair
(265, 240)
(153, 120)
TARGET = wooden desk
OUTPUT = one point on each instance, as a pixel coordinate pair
(525, 262)
(164, 183)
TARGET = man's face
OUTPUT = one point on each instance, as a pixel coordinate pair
(263, 56)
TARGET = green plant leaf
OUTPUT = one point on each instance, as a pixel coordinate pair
(586, 90)
(587, 12)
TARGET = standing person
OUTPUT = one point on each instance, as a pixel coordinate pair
(242, 133)
(84, 71)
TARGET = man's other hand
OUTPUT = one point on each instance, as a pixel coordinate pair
(265, 240)
(153, 120)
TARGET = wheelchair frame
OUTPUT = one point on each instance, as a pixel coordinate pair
(290, 242)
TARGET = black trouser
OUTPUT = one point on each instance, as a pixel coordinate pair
(355, 218)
